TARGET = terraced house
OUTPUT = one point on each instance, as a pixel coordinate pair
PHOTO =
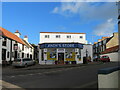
(12, 46)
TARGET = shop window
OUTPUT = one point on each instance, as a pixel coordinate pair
(53, 55)
(47, 36)
(4, 41)
(68, 55)
(57, 36)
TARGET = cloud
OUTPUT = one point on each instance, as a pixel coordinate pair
(87, 10)
(105, 29)
(105, 13)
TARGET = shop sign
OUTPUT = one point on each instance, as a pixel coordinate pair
(62, 45)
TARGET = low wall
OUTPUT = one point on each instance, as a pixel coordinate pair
(113, 56)
(109, 78)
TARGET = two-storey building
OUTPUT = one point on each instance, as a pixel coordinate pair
(61, 47)
(12, 47)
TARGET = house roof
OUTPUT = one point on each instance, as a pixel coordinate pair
(10, 35)
(63, 32)
(112, 49)
(27, 44)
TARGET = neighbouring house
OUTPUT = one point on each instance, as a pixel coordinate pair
(107, 46)
(12, 46)
(62, 48)
(112, 48)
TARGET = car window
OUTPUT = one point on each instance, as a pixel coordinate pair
(17, 60)
(26, 59)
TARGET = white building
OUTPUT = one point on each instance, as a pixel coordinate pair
(12, 46)
(61, 47)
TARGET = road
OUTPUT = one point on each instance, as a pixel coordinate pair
(74, 77)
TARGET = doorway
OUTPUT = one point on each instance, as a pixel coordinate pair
(60, 58)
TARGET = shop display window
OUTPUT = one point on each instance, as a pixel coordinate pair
(68, 55)
(53, 55)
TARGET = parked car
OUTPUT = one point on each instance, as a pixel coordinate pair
(23, 62)
(105, 58)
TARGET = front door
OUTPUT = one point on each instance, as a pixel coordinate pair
(60, 58)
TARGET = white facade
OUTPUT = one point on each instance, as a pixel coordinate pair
(8, 51)
(89, 49)
(63, 45)
(64, 37)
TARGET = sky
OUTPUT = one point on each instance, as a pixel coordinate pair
(96, 19)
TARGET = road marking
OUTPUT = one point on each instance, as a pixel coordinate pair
(9, 85)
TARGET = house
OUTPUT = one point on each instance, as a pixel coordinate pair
(12, 46)
(107, 46)
(61, 47)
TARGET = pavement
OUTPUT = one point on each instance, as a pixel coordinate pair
(39, 66)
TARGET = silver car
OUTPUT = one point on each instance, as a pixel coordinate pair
(24, 62)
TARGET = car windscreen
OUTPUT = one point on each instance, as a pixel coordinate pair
(105, 56)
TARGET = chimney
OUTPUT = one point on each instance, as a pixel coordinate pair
(99, 40)
(26, 38)
(17, 33)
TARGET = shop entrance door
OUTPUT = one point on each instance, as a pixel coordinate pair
(60, 58)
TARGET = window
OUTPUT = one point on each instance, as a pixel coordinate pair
(57, 36)
(22, 55)
(46, 36)
(4, 41)
(81, 36)
(7, 54)
(69, 36)
(22, 47)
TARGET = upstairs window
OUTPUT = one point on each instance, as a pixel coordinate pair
(47, 36)
(4, 41)
(69, 36)
(81, 37)
(57, 36)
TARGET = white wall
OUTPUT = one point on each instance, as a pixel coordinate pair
(113, 56)
(89, 48)
(63, 38)
(108, 80)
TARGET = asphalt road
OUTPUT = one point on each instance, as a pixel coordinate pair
(74, 77)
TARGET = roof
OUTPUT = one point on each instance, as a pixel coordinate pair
(63, 32)
(10, 35)
(110, 50)
(27, 44)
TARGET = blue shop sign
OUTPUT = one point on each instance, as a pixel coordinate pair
(61, 45)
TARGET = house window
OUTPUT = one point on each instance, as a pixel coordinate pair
(57, 36)
(22, 55)
(4, 41)
(46, 36)
(8, 55)
(81, 36)
(22, 47)
(69, 36)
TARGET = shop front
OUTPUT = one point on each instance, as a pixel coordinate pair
(60, 53)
